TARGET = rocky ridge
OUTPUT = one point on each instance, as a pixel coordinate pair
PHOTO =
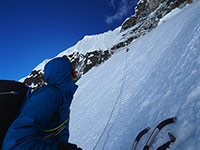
(147, 16)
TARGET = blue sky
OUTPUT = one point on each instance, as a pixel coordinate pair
(34, 30)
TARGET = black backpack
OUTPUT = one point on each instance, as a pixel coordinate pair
(12, 94)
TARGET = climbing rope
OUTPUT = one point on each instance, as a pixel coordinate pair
(112, 112)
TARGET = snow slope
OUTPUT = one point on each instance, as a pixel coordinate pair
(158, 78)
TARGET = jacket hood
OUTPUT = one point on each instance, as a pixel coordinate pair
(58, 73)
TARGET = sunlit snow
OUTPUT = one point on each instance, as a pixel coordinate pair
(158, 78)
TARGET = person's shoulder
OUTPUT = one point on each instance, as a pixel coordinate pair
(48, 91)
(49, 88)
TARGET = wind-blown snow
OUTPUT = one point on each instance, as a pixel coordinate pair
(94, 42)
(158, 78)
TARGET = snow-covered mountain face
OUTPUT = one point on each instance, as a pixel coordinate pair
(94, 50)
(158, 78)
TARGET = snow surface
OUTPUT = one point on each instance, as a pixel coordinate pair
(158, 78)
(169, 15)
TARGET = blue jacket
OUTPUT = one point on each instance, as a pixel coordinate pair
(26, 132)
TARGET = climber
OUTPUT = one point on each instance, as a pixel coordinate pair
(39, 114)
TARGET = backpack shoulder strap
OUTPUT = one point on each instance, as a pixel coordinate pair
(57, 113)
(57, 130)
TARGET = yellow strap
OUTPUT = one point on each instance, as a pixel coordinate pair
(50, 130)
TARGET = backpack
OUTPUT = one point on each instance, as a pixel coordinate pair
(12, 94)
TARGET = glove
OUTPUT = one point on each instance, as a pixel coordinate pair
(67, 146)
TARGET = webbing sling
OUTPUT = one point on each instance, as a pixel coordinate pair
(56, 130)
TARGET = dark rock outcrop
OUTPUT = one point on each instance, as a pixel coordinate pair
(145, 7)
(148, 14)
(81, 63)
